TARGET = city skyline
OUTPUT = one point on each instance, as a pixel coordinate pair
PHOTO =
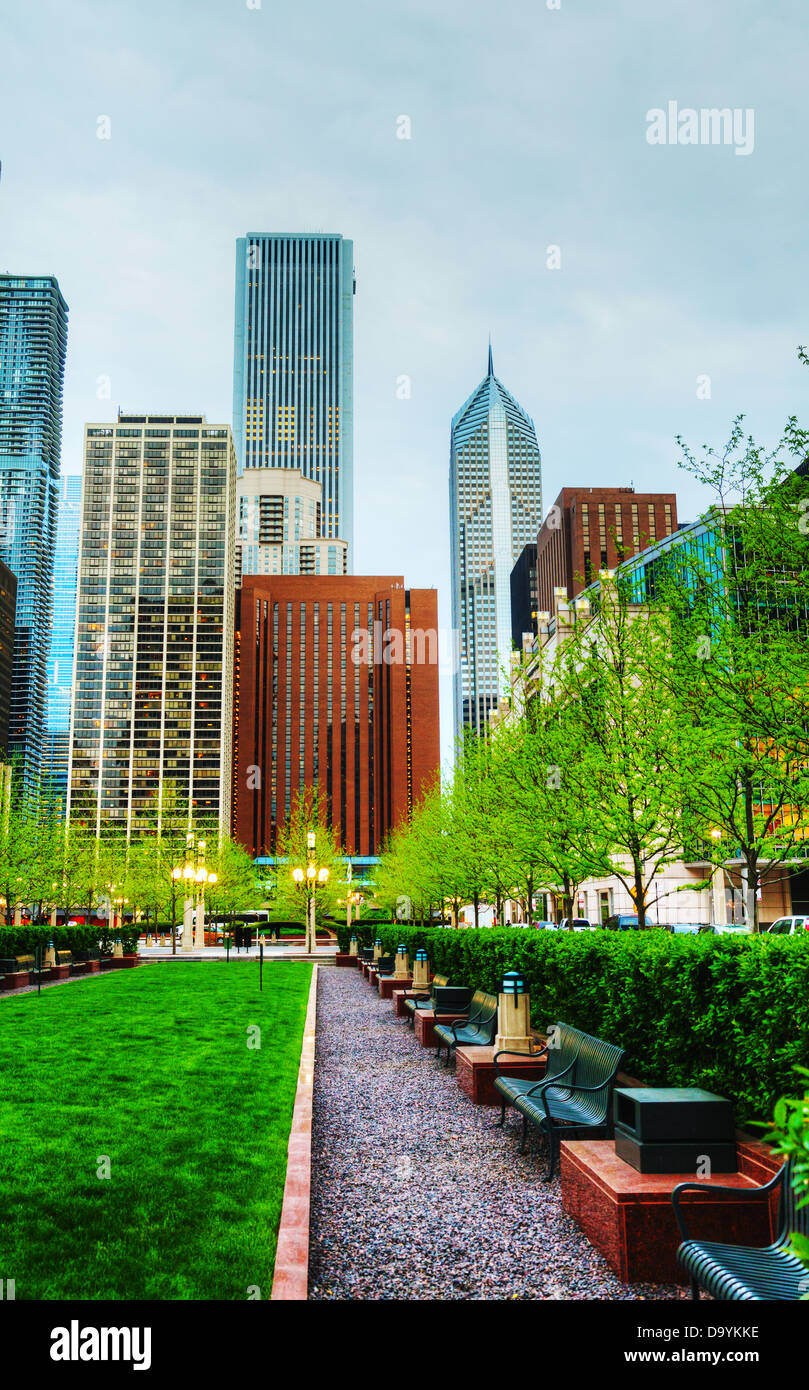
(605, 350)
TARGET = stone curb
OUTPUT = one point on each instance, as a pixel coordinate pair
(291, 1273)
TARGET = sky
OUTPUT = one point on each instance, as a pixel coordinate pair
(528, 124)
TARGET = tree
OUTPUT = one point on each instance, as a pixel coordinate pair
(290, 899)
(740, 675)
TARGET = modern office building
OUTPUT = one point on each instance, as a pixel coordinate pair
(524, 596)
(293, 376)
(60, 661)
(8, 614)
(589, 529)
(279, 526)
(153, 687)
(495, 494)
(33, 342)
(337, 695)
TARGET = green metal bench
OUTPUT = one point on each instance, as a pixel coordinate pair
(424, 1001)
(574, 1096)
(744, 1272)
(446, 999)
(477, 1030)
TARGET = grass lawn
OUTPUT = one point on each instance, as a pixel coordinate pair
(151, 1068)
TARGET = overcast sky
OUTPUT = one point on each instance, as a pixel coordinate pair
(528, 130)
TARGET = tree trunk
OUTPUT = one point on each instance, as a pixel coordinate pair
(530, 901)
(476, 902)
(640, 897)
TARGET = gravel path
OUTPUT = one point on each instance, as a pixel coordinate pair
(413, 1196)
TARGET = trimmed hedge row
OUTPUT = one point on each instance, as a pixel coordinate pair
(726, 1014)
(22, 941)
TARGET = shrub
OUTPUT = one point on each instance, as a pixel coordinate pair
(22, 941)
(728, 1014)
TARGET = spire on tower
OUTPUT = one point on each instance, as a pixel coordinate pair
(491, 368)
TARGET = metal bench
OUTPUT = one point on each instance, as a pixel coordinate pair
(574, 1096)
(424, 1001)
(477, 1030)
(744, 1272)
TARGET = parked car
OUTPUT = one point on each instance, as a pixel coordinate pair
(575, 924)
(622, 921)
(688, 928)
(546, 926)
(788, 926)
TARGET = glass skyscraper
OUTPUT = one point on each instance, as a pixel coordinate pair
(33, 341)
(293, 376)
(152, 716)
(60, 662)
(495, 498)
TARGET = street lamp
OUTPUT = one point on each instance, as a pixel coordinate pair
(312, 876)
(196, 877)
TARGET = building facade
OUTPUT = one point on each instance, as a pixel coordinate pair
(153, 687)
(60, 661)
(279, 526)
(337, 696)
(524, 602)
(293, 377)
(33, 343)
(589, 529)
(495, 494)
(8, 615)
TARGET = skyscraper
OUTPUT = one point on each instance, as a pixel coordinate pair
(278, 526)
(33, 341)
(293, 376)
(337, 695)
(153, 688)
(495, 497)
(60, 661)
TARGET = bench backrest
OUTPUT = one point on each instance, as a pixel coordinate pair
(483, 1014)
(26, 962)
(596, 1061)
(439, 982)
(367, 953)
(63, 957)
(385, 964)
(451, 999)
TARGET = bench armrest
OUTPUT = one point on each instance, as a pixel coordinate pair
(719, 1187)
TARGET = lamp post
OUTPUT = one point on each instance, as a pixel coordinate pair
(311, 876)
(196, 877)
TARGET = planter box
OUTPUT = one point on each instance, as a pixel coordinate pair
(343, 958)
(476, 1072)
(18, 979)
(425, 1025)
(629, 1218)
(388, 983)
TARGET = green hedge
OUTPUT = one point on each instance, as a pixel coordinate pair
(22, 941)
(728, 1014)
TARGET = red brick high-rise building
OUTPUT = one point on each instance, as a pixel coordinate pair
(589, 529)
(336, 692)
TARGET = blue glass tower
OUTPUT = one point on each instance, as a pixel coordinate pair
(60, 662)
(293, 375)
(495, 502)
(33, 341)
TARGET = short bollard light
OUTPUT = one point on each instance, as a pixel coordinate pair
(118, 949)
(50, 956)
(378, 948)
(421, 970)
(353, 947)
(401, 965)
(513, 1015)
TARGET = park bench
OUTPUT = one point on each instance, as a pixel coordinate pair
(424, 1001)
(476, 1030)
(384, 966)
(744, 1272)
(575, 1094)
(64, 957)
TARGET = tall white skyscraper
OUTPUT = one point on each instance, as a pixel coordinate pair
(495, 498)
(293, 370)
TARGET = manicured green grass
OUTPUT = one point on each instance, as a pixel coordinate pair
(150, 1067)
